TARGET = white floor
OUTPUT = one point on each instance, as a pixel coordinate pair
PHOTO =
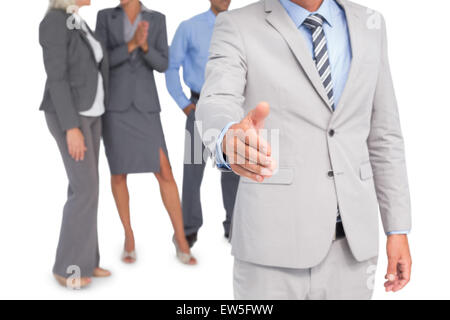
(27, 258)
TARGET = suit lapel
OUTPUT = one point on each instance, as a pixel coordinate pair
(148, 16)
(83, 36)
(117, 27)
(280, 20)
(354, 26)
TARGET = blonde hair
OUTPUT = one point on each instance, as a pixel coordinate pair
(61, 4)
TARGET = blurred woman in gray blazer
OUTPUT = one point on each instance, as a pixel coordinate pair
(74, 101)
(136, 40)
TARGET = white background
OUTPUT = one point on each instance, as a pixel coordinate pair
(33, 182)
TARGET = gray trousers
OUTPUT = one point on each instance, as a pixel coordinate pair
(78, 252)
(338, 277)
(192, 181)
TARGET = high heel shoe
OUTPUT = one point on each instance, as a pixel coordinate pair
(129, 257)
(184, 258)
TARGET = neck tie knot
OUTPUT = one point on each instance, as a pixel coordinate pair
(314, 21)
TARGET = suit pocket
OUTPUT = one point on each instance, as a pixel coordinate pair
(284, 176)
(366, 171)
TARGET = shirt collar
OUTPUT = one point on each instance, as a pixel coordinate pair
(210, 16)
(299, 14)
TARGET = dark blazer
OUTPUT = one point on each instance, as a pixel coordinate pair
(72, 71)
(133, 82)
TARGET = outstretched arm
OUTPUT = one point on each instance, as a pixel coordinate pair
(221, 105)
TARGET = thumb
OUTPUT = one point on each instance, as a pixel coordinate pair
(392, 269)
(257, 116)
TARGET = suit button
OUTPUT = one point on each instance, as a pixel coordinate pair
(331, 133)
(330, 174)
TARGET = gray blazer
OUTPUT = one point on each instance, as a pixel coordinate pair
(257, 54)
(133, 82)
(72, 71)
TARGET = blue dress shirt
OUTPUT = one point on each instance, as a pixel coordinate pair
(189, 50)
(339, 50)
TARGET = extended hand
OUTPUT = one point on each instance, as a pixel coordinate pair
(399, 263)
(75, 144)
(249, 155)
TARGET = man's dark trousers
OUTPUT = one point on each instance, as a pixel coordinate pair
(194, 168)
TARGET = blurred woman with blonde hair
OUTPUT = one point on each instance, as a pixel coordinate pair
(74, 101)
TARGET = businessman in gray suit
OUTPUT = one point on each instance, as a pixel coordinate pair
(306, 215)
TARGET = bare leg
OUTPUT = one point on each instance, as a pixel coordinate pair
(171, 200)
(121, 196)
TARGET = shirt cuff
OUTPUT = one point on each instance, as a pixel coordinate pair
(397, 232)
(221, 163)
(183, 102)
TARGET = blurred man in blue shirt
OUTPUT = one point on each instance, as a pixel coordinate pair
(189, 51)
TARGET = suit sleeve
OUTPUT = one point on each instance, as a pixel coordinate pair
(222, 98)
(53, 37)
(387, 151)
(116, 55)
(157, 58)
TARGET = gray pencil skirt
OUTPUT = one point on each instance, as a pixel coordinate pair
(132, 141)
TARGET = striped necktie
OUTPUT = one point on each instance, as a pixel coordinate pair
(315, 24)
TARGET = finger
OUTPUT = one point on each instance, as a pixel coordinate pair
(251, 137)
(73, 154)
(388, 286)
(82, 153)
(399, 285)
(391, 274)
(143, 28)
(254, 168)
(247, 174)
(251, 155)
(77, 154)
(70, 149)
(259, 114)
(404, 276)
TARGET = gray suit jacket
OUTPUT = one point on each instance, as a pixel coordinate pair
(72, 71)
(257, 54)
(133, 82)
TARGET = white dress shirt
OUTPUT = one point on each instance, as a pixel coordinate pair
(98, 107)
